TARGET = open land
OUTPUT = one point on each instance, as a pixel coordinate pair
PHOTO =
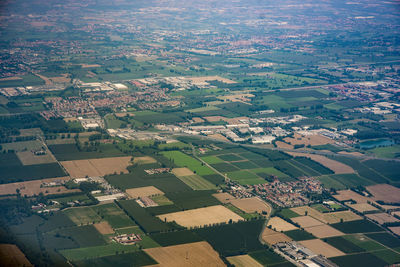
(320, 247)
(145, 191)
(201, 216)
(191, 254)
(96, 167)
(243, 261)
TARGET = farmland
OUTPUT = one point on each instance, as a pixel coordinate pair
(200, 253)
(96, 167)
(202, 216)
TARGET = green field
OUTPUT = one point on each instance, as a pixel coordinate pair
(145, 220)
(162, 200)
(113, 215)
(360, 226)
(196, 182)
(299, 235)
(183, 160)
(82, 216)
(127, 259)
(193, 199)
(96, 251)
(245, 178)
(84, 236)
(343, 244)
(267, 257)
(212, 159)
(176, 238)
(232, 239)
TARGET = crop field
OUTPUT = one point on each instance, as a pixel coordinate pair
(359, 226)
(329, 183)
(161, 200)
(192, 254)
(16, 172)
(389, 169)
(144, 160)
(306, 221)
(232, 239)
(288, 214)
(382, 218)
(364, 259)
(385, 192)
(165, 182)
(386, 239)
(245, 177)
(343, 244)
(280, 225)
(96, 167)
(176, 238)
(145, 191)
(113, 215)
(11, 255)
(351, 180)
(364, 242)
(193, 199)
(224, 197)
(243, 261)
(362, 207)
(71, 152)
(299, 235)
(251, 205)
(224, 167)
(212, 159)
(201, 216)
(313, 140)
(139, 258)
(84, 236)
(104, 228)
(268, 258)
(143, 218)
(320, 247)
(343, 195)
(336, 166)
(29, 158)
(395, 229)
(323, 231)
(331, 217)
(82, 216)
(30, 188)
(94, 252)
(183, 160)
(196, 182)
(271, 237)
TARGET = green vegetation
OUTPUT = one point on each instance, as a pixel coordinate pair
(360, 226)
(343, 244)
(245, 177)
(267, 257)
(144, 219)
(183, 160)
(132, 259)
(299, 235)
(197, 182)
(176, 238)
(233, 239)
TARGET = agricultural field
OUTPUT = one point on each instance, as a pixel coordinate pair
(243, 261)
(193, 254)
(183, 160)
(201, 216)
(232, 239)
(192, 180)
(31, 188)
(96, 167)
(146, 191)
(320, 247)
(271, 237)
(323, 231)
(11, 255)
(280, 225)
(104, 228)
(384, 192)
